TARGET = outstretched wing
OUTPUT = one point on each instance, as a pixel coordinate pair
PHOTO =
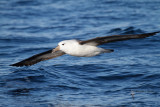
(39, 57)
(107, 39)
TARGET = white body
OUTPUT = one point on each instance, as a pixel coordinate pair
(72, 47)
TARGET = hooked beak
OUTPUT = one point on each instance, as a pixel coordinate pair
(56, 49)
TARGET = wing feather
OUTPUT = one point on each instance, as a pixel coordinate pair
(39, 57)
(106, 39)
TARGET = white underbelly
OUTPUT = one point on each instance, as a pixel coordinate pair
(85, 51)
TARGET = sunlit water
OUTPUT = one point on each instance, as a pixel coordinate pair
(128, 77)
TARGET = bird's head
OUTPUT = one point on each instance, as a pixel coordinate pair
(66, 45)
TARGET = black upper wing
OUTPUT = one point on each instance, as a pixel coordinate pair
(39, 57)
(107, 39)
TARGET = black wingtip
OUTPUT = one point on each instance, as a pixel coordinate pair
(12, 65)
(153, 33)
(17, 65)
(157, 32)
(20, 64)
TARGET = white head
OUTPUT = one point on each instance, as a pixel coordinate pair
(66, 45)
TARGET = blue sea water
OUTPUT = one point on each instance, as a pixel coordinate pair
(128, 77)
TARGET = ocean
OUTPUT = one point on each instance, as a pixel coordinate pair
(128, 77)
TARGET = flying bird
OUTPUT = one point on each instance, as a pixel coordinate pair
(86, 48)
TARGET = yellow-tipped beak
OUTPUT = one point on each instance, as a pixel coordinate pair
(56, 49)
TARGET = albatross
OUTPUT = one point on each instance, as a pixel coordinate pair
(79, 48)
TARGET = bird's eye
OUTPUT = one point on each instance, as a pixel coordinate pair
(63, 44)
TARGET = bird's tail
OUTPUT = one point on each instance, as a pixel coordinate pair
(108, 50)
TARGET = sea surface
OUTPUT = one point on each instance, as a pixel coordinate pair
(128, 77)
